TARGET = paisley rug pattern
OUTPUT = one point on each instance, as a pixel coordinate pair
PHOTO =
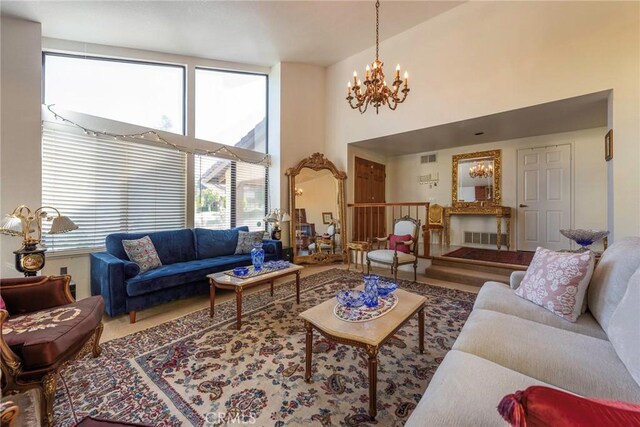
(203, 372)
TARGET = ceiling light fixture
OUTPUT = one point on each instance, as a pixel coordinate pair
(376, 91)
(480, 170)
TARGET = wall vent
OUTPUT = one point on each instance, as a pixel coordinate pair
(483, 238)
(428, 158)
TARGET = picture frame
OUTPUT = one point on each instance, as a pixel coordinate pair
(608, 145)
(327, 217)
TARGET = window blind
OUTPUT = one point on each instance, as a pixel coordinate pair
(229, 194)
(107, 186)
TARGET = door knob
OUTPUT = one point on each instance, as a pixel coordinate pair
(523, 206)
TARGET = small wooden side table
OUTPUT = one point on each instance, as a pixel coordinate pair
(361, 246)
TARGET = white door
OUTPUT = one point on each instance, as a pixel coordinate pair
(544, 197)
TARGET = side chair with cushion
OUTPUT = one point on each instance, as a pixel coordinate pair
(43, 328)
(401, 247)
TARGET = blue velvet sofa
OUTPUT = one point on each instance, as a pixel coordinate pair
(187, 256)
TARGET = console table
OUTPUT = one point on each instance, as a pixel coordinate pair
(498, 211)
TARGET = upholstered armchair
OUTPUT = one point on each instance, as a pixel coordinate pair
(326, 242)
(42, 328)
(400, 248)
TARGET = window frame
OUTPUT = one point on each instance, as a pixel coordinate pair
(183, 104)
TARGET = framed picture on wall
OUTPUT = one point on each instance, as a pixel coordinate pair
(608, 145)
(327, 217)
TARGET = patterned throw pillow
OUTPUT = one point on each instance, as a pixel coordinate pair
(246, 239)
(142, 252)
(394, 239)
(558, 281)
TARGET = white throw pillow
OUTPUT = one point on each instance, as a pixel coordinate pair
(558, 281)
(624, 328)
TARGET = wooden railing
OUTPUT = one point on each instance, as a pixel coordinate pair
(371, 220)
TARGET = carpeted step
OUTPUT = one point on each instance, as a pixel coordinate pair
(489, 267)
(464, 275)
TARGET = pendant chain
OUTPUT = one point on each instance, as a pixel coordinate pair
(377, 25)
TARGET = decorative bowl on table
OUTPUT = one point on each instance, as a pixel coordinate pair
(385, 287)
(241, 271)
(584, 238)
(351, 298)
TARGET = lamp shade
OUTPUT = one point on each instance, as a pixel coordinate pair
(285, 217)
(12, 225)
(62, 224)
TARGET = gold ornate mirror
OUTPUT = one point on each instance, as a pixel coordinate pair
(476, 178)
(317, 203)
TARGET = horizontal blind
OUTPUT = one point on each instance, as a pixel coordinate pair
(229, 194)
(107, 186)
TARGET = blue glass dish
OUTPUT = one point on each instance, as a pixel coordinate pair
(351, 298)
(241, 271)
(385, 287)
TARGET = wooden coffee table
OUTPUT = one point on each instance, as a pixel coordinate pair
(225, 281)
(369, 335)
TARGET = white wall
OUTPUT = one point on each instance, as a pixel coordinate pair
(485, 57)
(20, 154)
(589, 195)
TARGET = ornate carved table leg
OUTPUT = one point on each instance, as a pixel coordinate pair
(297, 287)
(238, 307)
(448, 229)
(508, 218)
(308, 345)
(499, 230)
(49, 391)
(372, 351)
(421, 329)
(212, 297)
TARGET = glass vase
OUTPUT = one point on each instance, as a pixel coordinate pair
(371, 290)
(257, 256)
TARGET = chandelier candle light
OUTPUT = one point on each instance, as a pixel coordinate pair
(376, 91)
(480, 170)
(29, 258)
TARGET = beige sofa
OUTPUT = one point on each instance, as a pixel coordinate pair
(509, 344)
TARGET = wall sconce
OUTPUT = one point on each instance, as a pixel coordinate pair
(21, 222)
(277, 216)
(298, 191)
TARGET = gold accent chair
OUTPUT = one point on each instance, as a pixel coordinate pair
(42, 329)
(393, 257)
(436, 222)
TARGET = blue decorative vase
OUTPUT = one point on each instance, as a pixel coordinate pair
(257, 256)
(371, 290)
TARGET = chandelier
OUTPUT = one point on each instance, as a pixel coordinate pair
(376, 91)
(480, 170)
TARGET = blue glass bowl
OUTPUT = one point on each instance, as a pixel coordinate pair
(385, 287)
(241, 271)
(351, 298)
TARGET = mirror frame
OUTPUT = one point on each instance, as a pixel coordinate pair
(318, 162)
(496, 156)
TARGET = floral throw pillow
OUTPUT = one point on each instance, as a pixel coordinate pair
(246, 239)
(142, 252)
(558, 281)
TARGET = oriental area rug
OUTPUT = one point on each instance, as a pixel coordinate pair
(198, 371)
(503, 257)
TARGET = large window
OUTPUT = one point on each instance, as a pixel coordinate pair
(231, 108)
(229, 194)
(141, 93)
(106, 186)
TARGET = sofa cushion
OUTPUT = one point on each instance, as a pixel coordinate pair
(610, 278)
(246, 241)
(181, 273)
(172, 246)
(465, 391)
(579, 363)
(142, 252)
(43, 337)
(558, 281)
(213, 243)
(624, 328)
(500, 297)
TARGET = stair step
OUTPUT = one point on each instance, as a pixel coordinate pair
(464, 275)
(489, 267)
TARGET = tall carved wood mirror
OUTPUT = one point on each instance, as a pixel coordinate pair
(476, 178)
(318, 212)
